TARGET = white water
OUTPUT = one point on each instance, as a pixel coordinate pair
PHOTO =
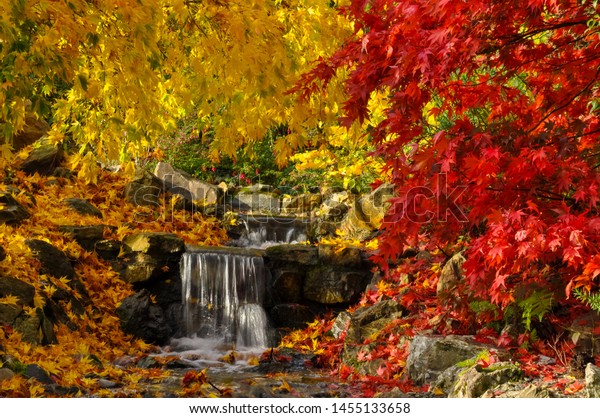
(222, 298)
(262, 232)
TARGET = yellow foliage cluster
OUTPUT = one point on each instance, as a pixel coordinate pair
(344, 152)
(85, 355)
(119, 74)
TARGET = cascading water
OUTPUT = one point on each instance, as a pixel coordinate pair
(262, 231)
(222, 298)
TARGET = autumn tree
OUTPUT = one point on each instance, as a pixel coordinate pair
(491, 133)
(113, 75)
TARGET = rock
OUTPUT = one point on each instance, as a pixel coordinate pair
(83, 207)
(48, 335)
(156, 243)
(6, 374)
(86, 236)
(29, 327)
(15, 287)
(292, 315)
(257, 188)
(43, 160)
(33, 371)
(62, 172)
(143, 319)
(142, 268)
(341, 324)
(514, 390)
(287, 286)
(259, 202)
(2, 254)
(8, 313)
(345, 256)
(107, 384)
(430, 355)
(11, 211)
(592, 381)
(330, 285)
(367, 320)
(451, 275)
(144, 189)
(33, 130)
(55, 314)
(582, 333)
(181, 183)
(367, 213)
(301, 204)
(283, 255)
(476, 380)
(108, 249)
(54, 262)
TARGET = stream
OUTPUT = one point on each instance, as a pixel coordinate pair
(223, 290)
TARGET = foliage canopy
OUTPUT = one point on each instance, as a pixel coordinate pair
(491, 131)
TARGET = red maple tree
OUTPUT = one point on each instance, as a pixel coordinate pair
(492, 133)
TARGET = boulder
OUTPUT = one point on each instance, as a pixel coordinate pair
(155, 243)
(15, 287)
(516, 390)
(452, 273)
(583, 333)
(296, 254)
(11, 211)
(330, 285)
(291, 315)
(367, 213)
(259, 202)
(86, 236)
(83, 207)
(44, 159)
(9, 312)
(140, 268)
(592, 381)
(144, 189)
(48, 335)
(6, 374)
(54, 262)
(33, 130)
(179, 182)
(430, 355)
(345, 256)
(108, 249)
(29, 328)
(476, 380)
(140, 317)
(33, 371)
(368, 320)
(301, 204)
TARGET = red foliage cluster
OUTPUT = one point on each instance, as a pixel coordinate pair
(492, 133)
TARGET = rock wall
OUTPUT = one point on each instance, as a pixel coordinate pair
(304, 281)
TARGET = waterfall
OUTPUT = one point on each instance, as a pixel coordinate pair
(262, 231)
(222, 297)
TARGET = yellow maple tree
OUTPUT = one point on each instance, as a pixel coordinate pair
(113, 75)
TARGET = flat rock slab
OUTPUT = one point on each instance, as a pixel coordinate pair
(83, 207)
(158, 243)
(430, 355)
